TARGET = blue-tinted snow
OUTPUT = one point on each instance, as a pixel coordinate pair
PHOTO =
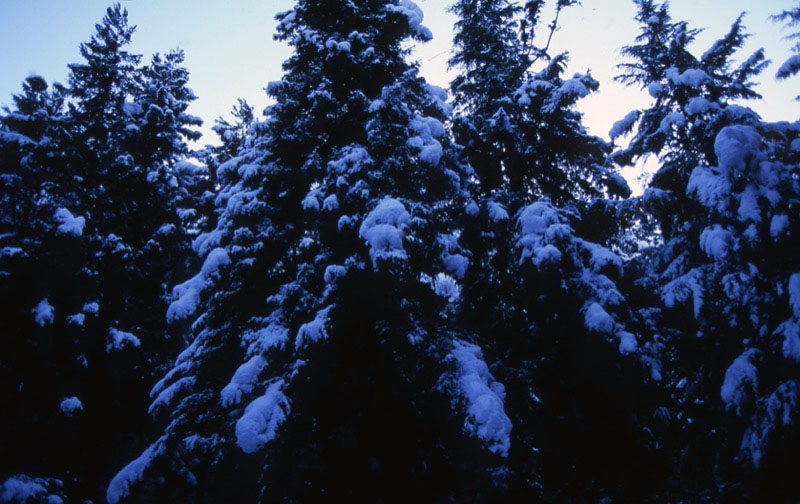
(261, 419)
(44, 313)
(484, 397)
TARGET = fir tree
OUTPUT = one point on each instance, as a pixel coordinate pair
(790, 18)
(712, 284)
(97, 235)
(320, 314)
(540, 294)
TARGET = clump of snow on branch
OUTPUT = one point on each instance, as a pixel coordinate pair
(118, 340)
(414, 14)
(484, 397)
(313, 331)
(243, 381)
(71, 406)
(44, 313)
(383, 230)
(69, 224)
(120, 485)
(741, 381)
(187, 295)
(262, 417)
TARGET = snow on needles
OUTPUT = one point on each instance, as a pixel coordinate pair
(261, 419)
(741, 381)
(117, 340)
(71, 405)
(383, 230)
(243, 381)
(414, 15)
(187, 294)
(120, 486)
(43, 313)
(68, 223)
(624, 125)
(486, 416)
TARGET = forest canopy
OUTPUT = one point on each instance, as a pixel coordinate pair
(382, 290)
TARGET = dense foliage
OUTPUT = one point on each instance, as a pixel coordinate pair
(371, 293)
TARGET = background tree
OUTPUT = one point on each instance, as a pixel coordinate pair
(99, 223)
(711, 283)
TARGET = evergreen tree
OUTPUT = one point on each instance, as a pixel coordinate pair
(714, 283)
(791, 18)
(94, 236)
(542, 296)
(321, 312)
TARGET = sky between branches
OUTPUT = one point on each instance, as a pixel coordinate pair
(230, 51)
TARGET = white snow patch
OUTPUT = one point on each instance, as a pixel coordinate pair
(383, 230)
(166, 396)
(655, 89)
(778, 225)
(624, 125)
(187, 294)
(353, 160)
(68, 223)
(71, 405)
(446, 287)
(426, 129)
(313, 331)
(672, 119)
(627, 342)
(310, 202)
(573, 87)
(44, 313)
(694, 77)
(262, 417)
(598, 320)
(680, 289)
(330, 203)
(709, 187)
(780, 408)
(486, 417)
(456, 265)
(791, 340)
(21, 488)
(741, 381)
(789, 67)
(117, 340)
(539, 225)
(243, 381)
(120, 485)
(794, 294)
(496, 211)
(76, 319)
(414, 14)
(261, 340)
(333, 272)
(734, 145)
(699, 105)
(716, 242)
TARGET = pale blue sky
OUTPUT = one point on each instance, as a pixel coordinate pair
(230, 51)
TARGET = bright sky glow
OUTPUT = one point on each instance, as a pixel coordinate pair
(230, 51)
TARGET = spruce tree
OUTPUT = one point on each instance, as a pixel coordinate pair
(322, 349)
(715, 282)
(95, 234)
(542, 296)
(790, 18)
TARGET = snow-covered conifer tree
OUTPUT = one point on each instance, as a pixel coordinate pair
(95, 233)
(324, 362)
(719, 285)
(541, 295)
